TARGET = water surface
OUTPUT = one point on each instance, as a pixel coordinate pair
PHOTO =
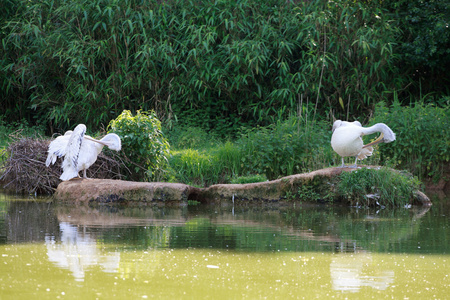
(54, 251)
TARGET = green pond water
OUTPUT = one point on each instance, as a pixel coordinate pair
(55, 251)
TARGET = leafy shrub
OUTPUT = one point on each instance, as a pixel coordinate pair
(422, 131)
(386, 186)
(144, 146)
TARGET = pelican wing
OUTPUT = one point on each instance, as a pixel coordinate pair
(70, 163)
(74, 145)
(57, 148)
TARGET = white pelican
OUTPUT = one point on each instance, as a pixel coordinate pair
(346, 139)
(80, 151)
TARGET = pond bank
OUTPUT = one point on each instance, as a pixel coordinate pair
(284, 190)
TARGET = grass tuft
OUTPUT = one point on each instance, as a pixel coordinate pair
(371, 187)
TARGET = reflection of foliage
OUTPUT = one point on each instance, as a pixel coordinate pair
(138, 238)
(200, 233)
(321, 228)
(382, 232)
(3, 210)
(27, 221)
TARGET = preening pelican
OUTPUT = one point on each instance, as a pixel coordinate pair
(346, 139)
(80, 151)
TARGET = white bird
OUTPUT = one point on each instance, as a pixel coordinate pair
(346, 139)
(80, 151)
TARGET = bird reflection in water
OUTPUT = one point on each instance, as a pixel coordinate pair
(352, 268)
(78, 252)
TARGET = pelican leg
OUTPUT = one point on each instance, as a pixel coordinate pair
(84, 174)
(343, 164)
(354, 165)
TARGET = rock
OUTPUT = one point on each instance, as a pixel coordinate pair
(422, 198)
(270, 191)
(318, 184)
(120, 191)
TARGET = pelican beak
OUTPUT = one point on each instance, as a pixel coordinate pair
(380, 139)
(97, 141)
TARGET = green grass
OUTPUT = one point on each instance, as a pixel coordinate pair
(249, 179)
(263, 153)
(388, 187)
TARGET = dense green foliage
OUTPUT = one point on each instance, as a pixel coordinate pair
(423, 138)
(214, 64)
(385, 187)
(424, 46)
(144, 147)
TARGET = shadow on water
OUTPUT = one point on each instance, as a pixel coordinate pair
(309, 228)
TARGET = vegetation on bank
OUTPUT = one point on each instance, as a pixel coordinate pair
(364, 187)
(281, 149)
(190, 155)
